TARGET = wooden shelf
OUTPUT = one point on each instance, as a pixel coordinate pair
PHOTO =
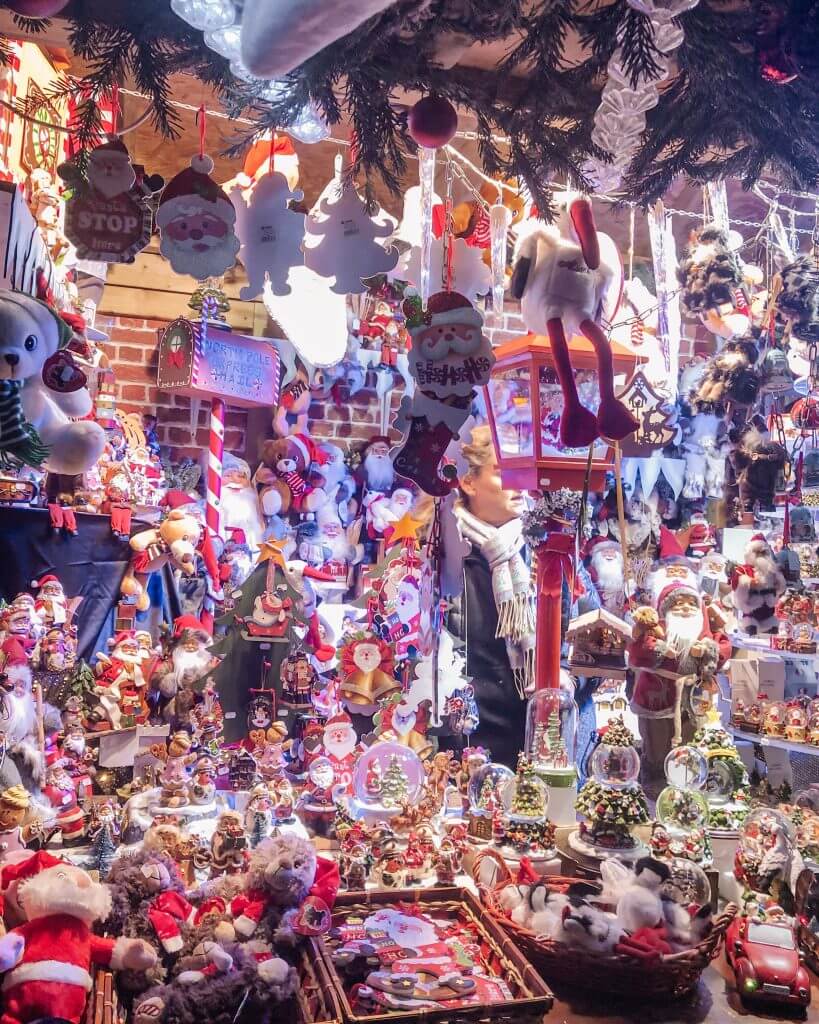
(775, 741)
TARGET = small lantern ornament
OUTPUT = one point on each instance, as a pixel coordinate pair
(525, 403)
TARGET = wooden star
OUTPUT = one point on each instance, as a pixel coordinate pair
(405, 529)
(272, 550)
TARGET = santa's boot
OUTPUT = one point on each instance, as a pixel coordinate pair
(578, 426)
(419, 458)
(321, 651)
(613, 418)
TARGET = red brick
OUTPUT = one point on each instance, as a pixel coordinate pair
(131, 354)
(158, 325)
(133, 392)
(341, 413)
(131, 321)
(135, 374)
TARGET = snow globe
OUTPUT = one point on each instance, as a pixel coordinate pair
(687, 884)
(387, 776)
(551, 746)
(682, 810)
(774, 721)
(483, 792)
(523, 830)
(612, 802)
(765, 855)
(727, 784)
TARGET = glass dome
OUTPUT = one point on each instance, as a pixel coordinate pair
(387, 775)
(686, 767)
(551, 733)
(615, 761)
(525, 796)
(484, 789)
(688, 883)
(682, 810)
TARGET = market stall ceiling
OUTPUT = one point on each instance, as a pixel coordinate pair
(316, 161)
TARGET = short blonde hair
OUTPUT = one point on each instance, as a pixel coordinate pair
(17, 797)
(479, 450)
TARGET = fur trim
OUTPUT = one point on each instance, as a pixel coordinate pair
(19, 674)
(245, 926)
(48, 970)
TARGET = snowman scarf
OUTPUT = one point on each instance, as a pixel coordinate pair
(511, 588)
(17, 437)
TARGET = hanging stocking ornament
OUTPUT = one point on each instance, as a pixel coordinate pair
(342, 245)
(196, 219)
(271, 234)
(450, 358)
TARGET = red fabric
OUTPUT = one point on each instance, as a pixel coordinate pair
(327, 881)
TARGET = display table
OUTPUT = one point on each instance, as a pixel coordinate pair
(90, 565)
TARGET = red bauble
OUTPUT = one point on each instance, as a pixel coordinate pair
(36, 8)
(432, 122)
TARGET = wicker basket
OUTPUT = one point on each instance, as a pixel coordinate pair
(531, 997)
(670, 977)
(103, 1006)
(316, 998)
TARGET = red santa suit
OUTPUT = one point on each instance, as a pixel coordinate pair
(52, 977)
(167, 913)
(657, 666)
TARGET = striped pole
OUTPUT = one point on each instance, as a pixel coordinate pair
(216, 450)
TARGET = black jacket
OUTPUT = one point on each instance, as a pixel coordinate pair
(474, 618)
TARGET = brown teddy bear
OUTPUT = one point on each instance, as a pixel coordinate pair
(646, 622)
(174, 540)
(285, 479)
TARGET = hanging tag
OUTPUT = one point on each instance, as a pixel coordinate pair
(61, 373)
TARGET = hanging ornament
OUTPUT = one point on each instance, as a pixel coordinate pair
(206, 15)
(426, 171)
(107, 217)
(196, 223)
(270, 233)
(774, 45)
(652, 412)
(341, 243)
(312, 315)
(432, 122)
(36, 8)
(500, 217)
(470, 275)
(664, 256)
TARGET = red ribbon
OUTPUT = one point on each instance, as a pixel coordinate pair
(176, 358)
(200, 120)
(554, 562)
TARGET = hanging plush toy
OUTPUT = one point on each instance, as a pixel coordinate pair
(568, 277)
(41, 390)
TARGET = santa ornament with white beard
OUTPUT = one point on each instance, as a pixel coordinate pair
(376, 472)
(125, 670)
(606, 570)
(689, 652)
(187, 660)
(196, 223)
(757, 585)
(339, 741)
(240, 502)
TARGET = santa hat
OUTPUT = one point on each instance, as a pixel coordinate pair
(182, 622)
(445, 308)
(121, 638)
(377, 439)
(258, 156)
(237, 535)
(671, 592)
(192, 189)
(208, 553)
(177, 499)
(71, 822)
(669, 545)
(14, 654)
(595, 545)
(340, 718)
(22, 870)
(114, 147)
(309, 449)
(41, 582)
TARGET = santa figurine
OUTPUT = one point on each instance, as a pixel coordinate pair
(124, 669)
(757, 584)
(376, 471)
(701, 536)
(340, 742)
(683, 648)
(187, 660)
(605, 559)
(51, 603)
(48, 960)
(240, 502)
(340, 552)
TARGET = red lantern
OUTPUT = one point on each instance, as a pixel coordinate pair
(524, 402)
(432, 122)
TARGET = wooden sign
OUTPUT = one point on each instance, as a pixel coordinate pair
(202, 360)
(652, 412)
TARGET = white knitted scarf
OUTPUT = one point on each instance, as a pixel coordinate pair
(511, 587)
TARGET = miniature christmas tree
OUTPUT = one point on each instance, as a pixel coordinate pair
(394, 784)
(209, 301)
(612, 801)
(341, 243)
(727, 788)
(102, 851)
(529, 800)
(488, 797)
(258, 830)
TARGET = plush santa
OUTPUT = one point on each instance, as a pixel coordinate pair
(48, 960)
(196, 222)
(688, 651)
(378, 514)
(19, 716)
(51, 603)
(376, 472)
(240, 502)
(701, 536)
(340, 741)
(188, 658)
(341, 553)
(606, 570)
(757, 584)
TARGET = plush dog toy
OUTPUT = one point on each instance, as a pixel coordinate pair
(42, 390)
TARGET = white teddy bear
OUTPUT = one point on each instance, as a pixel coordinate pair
(30, 334)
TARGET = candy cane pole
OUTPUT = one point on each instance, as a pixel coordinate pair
(213, 500)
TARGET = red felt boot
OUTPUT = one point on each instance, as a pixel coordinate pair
(578, 426)
(613, 419)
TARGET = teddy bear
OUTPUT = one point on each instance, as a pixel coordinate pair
(290, 460)
(42, 392)
(730, 377)
(175, 540)
(48, 959)
(646, 622)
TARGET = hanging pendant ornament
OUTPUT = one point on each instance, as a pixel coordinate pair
(342, 244)
(450, 358)
(432, 122)
(500, 217)
(36, 8)
(271, 234)
(426, 171)
(107, 217)
(196, 219)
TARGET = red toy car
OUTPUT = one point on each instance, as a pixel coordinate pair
(766, 962)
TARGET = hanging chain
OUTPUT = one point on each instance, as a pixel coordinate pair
(448, 239)
(814, 238)
(776, 426)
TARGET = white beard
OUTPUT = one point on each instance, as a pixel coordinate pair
(240, 511)
(608, 578)
(19, 718)
(339, 547)
(681, 632)
(213, 262)
(46, 894)
(379, 471)
(189, 666)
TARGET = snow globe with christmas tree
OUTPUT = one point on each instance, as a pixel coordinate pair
(485, 804)
(523, 829)
(612, 802)
(727, 785)
(387, 777)
(682, 810)
(551, 746)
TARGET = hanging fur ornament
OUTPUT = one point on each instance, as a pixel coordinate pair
(798, 299)
(731, 377)
(774, 49)
(756, 462)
